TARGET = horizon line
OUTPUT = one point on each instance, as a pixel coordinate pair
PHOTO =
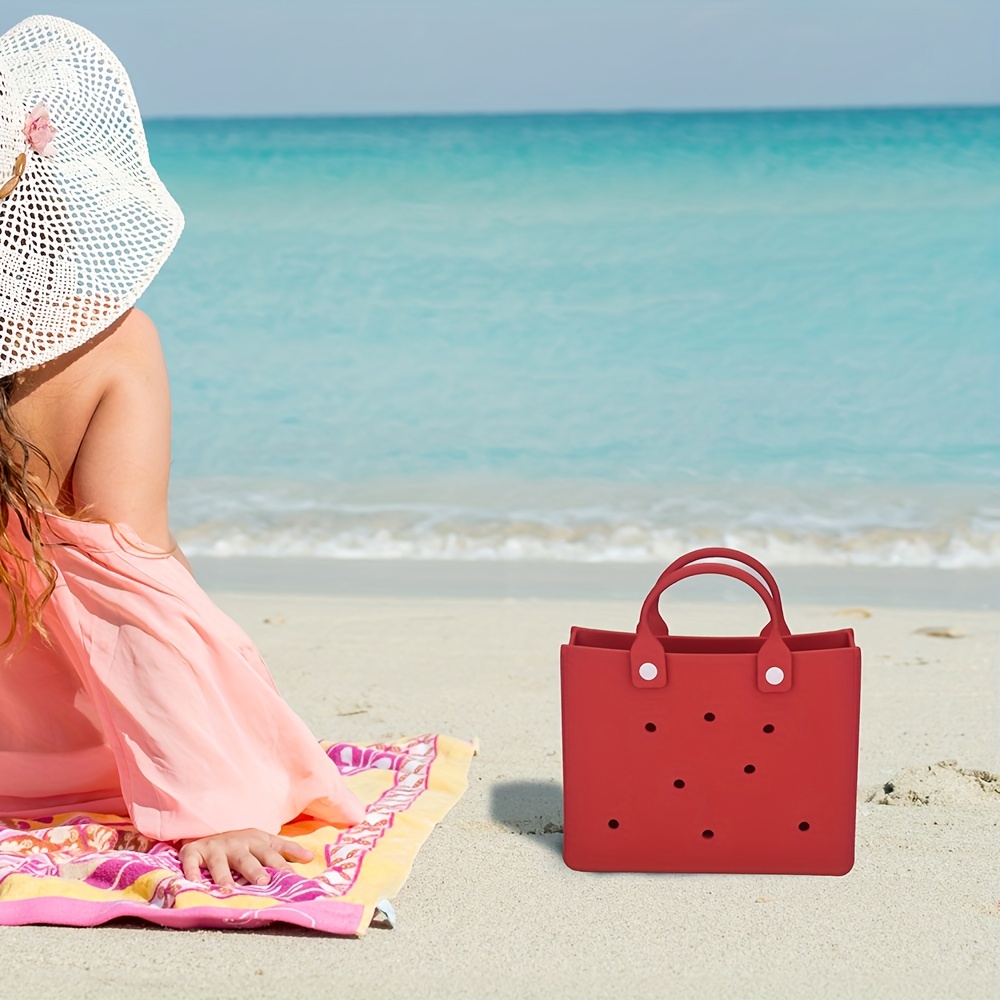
(581, 112)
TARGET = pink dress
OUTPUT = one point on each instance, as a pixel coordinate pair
(149, 701)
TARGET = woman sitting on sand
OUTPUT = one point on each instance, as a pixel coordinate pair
(123, 688)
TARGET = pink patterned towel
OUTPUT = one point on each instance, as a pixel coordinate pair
(83, 870)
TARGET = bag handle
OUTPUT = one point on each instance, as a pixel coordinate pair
(649, 659)
(660, 626)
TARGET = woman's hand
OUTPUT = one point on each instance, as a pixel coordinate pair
(243, 851)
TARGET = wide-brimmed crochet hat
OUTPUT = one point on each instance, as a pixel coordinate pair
(85, 222)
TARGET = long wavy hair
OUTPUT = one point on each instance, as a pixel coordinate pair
(21, 502)
(21, 507)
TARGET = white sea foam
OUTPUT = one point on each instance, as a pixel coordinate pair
(861, 528)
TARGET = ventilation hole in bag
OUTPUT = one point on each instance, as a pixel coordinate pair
(803, 826)
(613, 823)
(769, 728)
(710, 716)
(749, 769)
(679, 783)
(708, 834)
(650, 727)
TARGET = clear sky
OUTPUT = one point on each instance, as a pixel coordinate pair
(375, 56)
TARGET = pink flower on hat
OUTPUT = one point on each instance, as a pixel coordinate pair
(39, 130)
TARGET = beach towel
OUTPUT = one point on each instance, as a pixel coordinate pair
(86, 869)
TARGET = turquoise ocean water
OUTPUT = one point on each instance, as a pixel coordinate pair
(587, 337)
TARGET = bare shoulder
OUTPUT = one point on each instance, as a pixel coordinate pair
(127, 359)
(100, 414)
(122, 467)
(138, 330)
(134, 340)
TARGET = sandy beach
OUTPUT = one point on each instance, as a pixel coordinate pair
(490, 909)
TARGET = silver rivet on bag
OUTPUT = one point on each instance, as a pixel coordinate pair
(648, 671)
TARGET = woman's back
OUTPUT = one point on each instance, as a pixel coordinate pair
(101, 415)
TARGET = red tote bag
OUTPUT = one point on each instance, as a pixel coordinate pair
(710, 754)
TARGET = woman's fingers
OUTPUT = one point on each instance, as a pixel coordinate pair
(250, 868)
(191, 863)
(273, 859)
(217, 863)
(292, 851)
(242, 851)
(281, 851)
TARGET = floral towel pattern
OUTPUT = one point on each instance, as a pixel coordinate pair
(84, 870)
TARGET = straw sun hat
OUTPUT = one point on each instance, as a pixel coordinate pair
(85, 222)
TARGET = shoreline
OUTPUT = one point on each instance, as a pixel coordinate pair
(897, 587)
